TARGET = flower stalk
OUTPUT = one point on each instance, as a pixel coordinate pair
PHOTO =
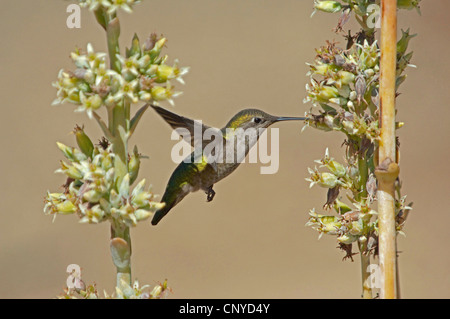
(354, 89)
(99, 177)
(388, 169)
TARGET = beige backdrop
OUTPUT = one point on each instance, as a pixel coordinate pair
(250, 242)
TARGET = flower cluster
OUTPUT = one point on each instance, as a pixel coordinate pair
(360, 7)
(143, 76)
(350, 224)
(159, 291)
(344, 83)
(337, 174)
(111, 6)
(91, 189)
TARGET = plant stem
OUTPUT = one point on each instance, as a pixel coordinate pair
(364, 175)
(361, 197)
(365, 263)
(121, 253)
(118, 119)
(387, 171)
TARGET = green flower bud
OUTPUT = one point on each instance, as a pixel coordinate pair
(165, 73)
(408, 4)
(66, 207)
(144, 61)
(328, 6)
(356, 227)
(107, 162)
(70, 171)
(159, 93)
(151, 70)
(156, 50)
(135, 47)
(336, 168)
(402, 44)
(327, 180)
(83, 141)
(320, 69)
(369, 73)
(92, 196)
(341, 207)
(324, 224)
(71, 153)
(124, 188)
(338, 100)
(142, 214)
(348, 126)
(345, 77)
(327, 92)
(347, 239)
(133, 165)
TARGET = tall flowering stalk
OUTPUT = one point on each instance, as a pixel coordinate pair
(388, 170)
(354, 90)
(99, 177)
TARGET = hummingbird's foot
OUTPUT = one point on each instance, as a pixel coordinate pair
(210, 193)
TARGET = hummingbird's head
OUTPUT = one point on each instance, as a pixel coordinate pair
(254, 118)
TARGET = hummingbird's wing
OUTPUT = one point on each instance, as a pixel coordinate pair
(195, 128)
(198, 134)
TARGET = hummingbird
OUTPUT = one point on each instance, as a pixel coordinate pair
(199, 171)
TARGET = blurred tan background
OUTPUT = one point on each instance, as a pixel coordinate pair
(250, 242)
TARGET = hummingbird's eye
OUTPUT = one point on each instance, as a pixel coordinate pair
(257, 120)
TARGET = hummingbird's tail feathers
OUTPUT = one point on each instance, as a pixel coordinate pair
(161, 213)
(171, 197)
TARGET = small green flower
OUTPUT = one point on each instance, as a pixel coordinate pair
(165, 73)
(325, 179)
(333, 166)
(344, 78)
(95, 4)
(327, 6)
(130, 66)
(160, 93)
(409, 4)
(71, 153)
(402, 44)
(69, 170)
(125, 5)
(58, 203)
(89, 104)
(91, 215)
(110, 5)
(347, 239)
(330, 225)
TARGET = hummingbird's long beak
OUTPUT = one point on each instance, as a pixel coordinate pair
(283, 118)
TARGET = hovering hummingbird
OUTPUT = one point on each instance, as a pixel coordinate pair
(199, 171)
